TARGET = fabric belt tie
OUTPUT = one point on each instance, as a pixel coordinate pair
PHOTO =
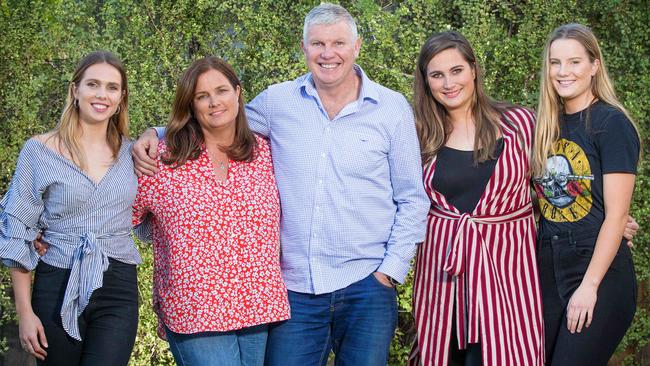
(86, 275)
(467, 240)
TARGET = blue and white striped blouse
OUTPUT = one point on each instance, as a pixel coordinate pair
(84, 222)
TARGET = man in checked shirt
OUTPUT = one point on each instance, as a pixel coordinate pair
(348, 169)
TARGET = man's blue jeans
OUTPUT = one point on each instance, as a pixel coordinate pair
(357, 322)
(243, 347)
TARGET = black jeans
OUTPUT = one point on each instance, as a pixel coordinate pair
(563, 260)
(108, 325)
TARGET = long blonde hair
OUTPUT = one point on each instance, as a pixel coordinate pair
(68, 131)
(431, 117)
(547, 130)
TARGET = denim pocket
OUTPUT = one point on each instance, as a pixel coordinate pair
(583, 248)
(44, 269)
(374, 278)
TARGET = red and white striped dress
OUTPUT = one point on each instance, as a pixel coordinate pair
(485, 264)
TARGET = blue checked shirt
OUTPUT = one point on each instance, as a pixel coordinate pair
(351, 187)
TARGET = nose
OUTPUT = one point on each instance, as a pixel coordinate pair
(100, 93)
(213, 101)
(327, 52)
(562, 69)
(447, 82)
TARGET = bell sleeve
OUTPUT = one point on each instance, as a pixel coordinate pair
(21, 208)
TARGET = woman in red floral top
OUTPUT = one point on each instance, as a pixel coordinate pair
(214, 209)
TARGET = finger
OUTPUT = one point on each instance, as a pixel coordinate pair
(41, 336)
(571, 317)
(140, 153)
(34, 348)
(153, 151)
(144, 171)
(630, 244)
(632, 223)
(145, 166)
(581, 321)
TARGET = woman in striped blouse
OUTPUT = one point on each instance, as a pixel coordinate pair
(476, 292)
(76, 185)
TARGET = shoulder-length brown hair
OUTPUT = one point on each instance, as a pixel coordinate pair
(431, 117)
(68, 131)
(184, 137)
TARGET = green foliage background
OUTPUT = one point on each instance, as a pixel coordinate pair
(41, 41)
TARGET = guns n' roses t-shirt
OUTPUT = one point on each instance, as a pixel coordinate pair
(593, 142)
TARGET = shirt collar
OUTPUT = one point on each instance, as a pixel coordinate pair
(368, 88)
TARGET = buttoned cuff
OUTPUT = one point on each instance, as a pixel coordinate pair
(395, 268)
(160, 131)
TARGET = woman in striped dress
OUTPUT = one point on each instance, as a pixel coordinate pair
(76, 185)
(476, 292)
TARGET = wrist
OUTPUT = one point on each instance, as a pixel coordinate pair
(151, 131)
(23, 310)
(590, 282)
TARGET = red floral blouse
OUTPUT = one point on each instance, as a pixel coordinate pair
(216, 244)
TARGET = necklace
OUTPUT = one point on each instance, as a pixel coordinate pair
(222, 165)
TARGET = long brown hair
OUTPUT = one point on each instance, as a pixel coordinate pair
(184, 137)
(547, 129)
(68, 131)
(431, 117)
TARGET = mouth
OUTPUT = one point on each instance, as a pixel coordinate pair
(452, 94)
(565, 82)
(329, 66)
(217, 113)
(98, 107)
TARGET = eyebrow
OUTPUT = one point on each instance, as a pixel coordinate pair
(451, 68)
(215, 88)
(570, 58)
(100, 81)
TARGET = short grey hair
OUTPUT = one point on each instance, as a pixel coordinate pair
(327, 13)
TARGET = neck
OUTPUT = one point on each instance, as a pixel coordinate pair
(220, 136)
(460, 116)
(93, 133)
(345, 92)
(578, 103)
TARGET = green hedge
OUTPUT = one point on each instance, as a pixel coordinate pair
(42, 41)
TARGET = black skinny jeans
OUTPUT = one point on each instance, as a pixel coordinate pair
(108, 324)
(563, 260)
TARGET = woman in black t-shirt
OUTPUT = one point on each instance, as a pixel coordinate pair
(584, 165)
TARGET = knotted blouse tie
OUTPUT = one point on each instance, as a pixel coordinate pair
(466, 242)
(89, 262)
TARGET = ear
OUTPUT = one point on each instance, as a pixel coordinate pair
(303, 48)
(238, 91)
(474, 71)
(357, 47)
(594, 67)
(73, 86)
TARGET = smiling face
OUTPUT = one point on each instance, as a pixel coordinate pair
(451, 80)
(98, 93)
(215, 102)
(330, 51)
(570, 72)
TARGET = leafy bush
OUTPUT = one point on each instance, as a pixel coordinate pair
(42, 41)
